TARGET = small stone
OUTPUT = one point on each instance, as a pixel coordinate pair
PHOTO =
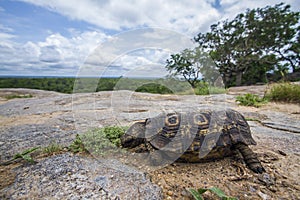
(263, 195)
(272, 188)
(282, 153)
(252, 189)
(266, 179)
(170, 193)
(166, 187)
(285, 184)
(185, 193)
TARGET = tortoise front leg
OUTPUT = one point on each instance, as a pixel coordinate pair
(154, 156)
(250, 158)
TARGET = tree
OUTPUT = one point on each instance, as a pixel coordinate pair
(192, 65)
(280, 34)
(293, 53)
(260, 38)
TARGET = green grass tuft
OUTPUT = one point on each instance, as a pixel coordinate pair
(251, 100)
(284, 92)
(209, 90)
(203, 88)
(52, 149)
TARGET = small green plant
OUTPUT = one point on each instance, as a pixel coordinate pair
(251, 100)
(52, 148)
(77, 145)
(18, 96)
(114, 133)
(98, 141)
(197, 194)
(25, 155)
(104, 140)
(284, 92)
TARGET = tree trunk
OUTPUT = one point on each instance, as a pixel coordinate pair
(192, 83)
(238, 80)
(226, 80)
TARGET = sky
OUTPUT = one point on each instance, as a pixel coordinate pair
(105, 37)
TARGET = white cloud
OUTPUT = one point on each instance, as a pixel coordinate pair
(189, 17)
(55, 55)
(131, 50)
(50, 54)
(6, 36)
(184, 18)
(5, 28)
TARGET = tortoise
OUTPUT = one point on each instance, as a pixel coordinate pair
(193, 137)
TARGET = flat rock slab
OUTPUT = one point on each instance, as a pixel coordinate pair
(281, 121)
(16, 139)
(52, 117)
(68, 176)
(275, 139)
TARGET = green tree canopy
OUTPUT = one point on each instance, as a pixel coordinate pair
(192, 65)
(256, 41)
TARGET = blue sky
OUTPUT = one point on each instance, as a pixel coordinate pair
(54, 37)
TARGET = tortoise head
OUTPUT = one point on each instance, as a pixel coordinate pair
(135, 135)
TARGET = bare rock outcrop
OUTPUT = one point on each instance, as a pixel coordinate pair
(68, 176)
(52, 117)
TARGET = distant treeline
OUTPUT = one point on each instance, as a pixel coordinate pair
(76, 85)
(64, 85)
(80, 85)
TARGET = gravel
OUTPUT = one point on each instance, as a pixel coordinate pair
(69, 176)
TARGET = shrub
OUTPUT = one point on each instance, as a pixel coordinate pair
(203, 88)
(98, 141)
(284, 92)
(251, 100)
(154, 88)
(209, 90)
(114, 133)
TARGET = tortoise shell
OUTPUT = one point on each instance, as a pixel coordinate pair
(194, 136)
